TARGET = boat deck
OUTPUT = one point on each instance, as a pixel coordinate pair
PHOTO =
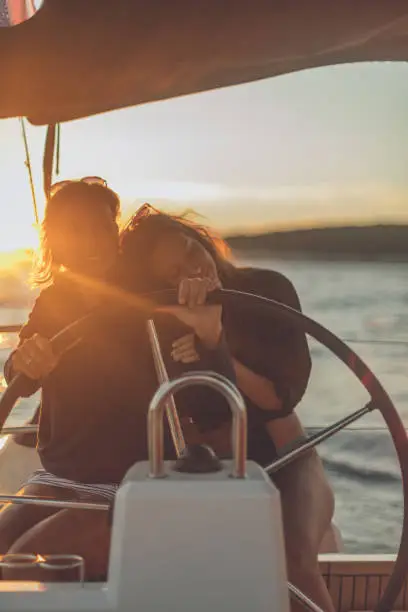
(356, 582)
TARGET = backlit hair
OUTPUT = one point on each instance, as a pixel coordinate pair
(68, 196)
(143, 232)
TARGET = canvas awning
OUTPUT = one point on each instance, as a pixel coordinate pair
(77, 58)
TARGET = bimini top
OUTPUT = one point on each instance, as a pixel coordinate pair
(77, 58)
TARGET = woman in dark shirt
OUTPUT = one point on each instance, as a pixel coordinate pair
(272, 365)
(95, 396)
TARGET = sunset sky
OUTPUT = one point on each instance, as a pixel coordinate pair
(322, 146)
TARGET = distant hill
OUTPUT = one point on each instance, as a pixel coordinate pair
(366, 243)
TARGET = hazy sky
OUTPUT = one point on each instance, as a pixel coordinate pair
(324, 145)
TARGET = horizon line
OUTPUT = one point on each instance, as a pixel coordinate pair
(21, 253)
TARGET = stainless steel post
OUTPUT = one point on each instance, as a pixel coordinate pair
(162, 375)
(216, 382)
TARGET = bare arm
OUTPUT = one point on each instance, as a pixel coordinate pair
(10, 369)
(33, 356)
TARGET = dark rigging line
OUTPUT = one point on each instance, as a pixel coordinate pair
(29, 169)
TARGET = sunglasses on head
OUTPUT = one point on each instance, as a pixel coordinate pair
(90, 180)
(146, 210)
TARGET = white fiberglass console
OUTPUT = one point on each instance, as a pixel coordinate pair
(198, 535)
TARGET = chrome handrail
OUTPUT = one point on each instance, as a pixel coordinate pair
(303, 599)
(22, 429)
(156, 413)
(10, 329)
(54, 503)
(162, 375)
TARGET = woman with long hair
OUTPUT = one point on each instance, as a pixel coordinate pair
(271, 361)
(79, 244)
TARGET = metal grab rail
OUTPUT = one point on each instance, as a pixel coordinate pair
(22, 429)
(303, 599)
(10, 329)
(216, 382)
(54, 503)
(162, 375)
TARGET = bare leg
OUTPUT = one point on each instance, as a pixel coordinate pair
(17, 519)
(84, 533)
(307, 509)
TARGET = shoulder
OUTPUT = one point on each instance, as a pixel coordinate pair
(267, 283)
(47, 298)
(43, 305)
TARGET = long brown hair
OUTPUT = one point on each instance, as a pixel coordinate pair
(91, 194)
(144, 230)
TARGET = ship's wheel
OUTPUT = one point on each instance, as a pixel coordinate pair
(379, 400)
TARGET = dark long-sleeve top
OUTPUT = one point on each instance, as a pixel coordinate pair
(94, 403)
(268, 345)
